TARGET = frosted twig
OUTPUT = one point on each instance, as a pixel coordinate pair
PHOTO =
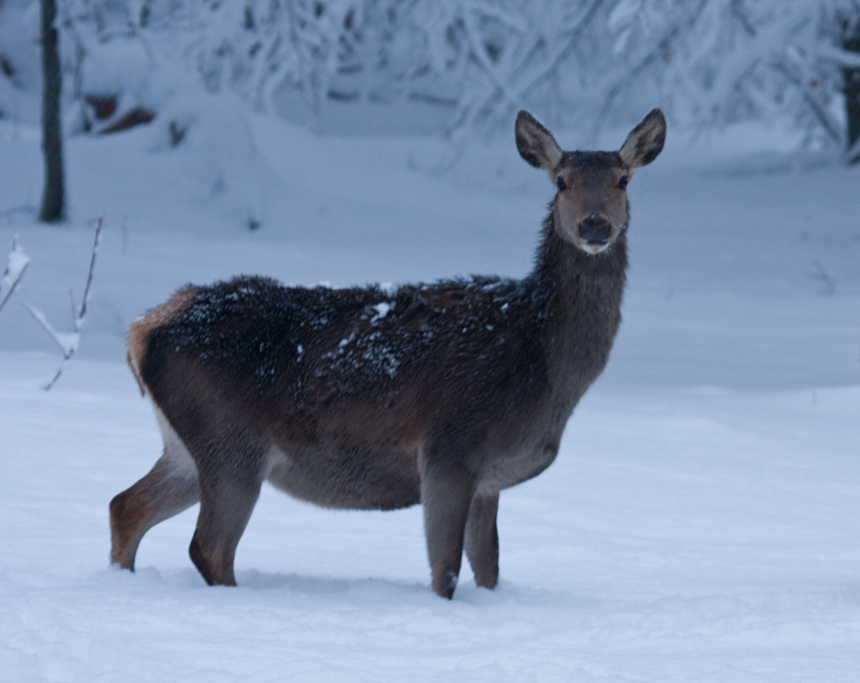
(68, 342)
(85, 301)
(18, 262)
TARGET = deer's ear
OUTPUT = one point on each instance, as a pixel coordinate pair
(645, 141)
(535, 143)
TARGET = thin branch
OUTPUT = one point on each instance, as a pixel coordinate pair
(86, 298)
(72, 305)
(56, 376)
(18, 262)
(8, 294)
(68, 343)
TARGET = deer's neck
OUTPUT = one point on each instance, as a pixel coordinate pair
(578, 296)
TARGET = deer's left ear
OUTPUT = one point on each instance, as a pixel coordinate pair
(535, 143)
(645, 141)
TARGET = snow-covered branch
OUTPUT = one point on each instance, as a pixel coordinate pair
(68, 342)
(17, 264)
(839, 56)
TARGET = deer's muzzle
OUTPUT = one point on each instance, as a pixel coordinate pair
(595, 230)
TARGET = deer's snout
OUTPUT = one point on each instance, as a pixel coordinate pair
(595, 230)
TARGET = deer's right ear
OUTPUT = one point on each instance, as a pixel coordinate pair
(535, 143)
(645, 141)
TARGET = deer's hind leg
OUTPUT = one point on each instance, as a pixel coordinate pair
(230, 480)
(170, 487)
(482, 539)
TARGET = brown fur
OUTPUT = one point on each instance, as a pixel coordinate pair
(140, 329)
(365, 398)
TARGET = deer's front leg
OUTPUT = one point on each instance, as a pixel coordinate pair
(482, 539)
(446, 493)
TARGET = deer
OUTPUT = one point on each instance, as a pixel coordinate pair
(383, 397)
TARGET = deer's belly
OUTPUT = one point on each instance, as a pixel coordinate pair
(356, 477)
(514, 468)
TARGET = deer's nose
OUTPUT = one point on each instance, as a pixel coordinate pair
(595, 230)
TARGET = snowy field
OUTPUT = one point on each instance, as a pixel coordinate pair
(702, 521)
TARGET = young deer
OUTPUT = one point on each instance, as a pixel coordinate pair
(372, 398)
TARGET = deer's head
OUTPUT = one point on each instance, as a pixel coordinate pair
(590, 207)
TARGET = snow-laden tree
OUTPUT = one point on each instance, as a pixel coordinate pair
(718, 61)
(584, 62)
(479, 60)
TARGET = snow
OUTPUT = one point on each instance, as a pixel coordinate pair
(382, 309)
(700, 523)
(682, 535)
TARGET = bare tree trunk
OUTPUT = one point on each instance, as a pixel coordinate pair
(851, 80)
(53, 199)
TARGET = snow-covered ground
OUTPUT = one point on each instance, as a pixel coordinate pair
(702, 522)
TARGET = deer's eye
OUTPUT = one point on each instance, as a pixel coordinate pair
(560, 184)
(622, 184)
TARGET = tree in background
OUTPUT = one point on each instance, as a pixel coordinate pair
(722, 61)
(849, 29)
(581, 63)
(53, 198)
